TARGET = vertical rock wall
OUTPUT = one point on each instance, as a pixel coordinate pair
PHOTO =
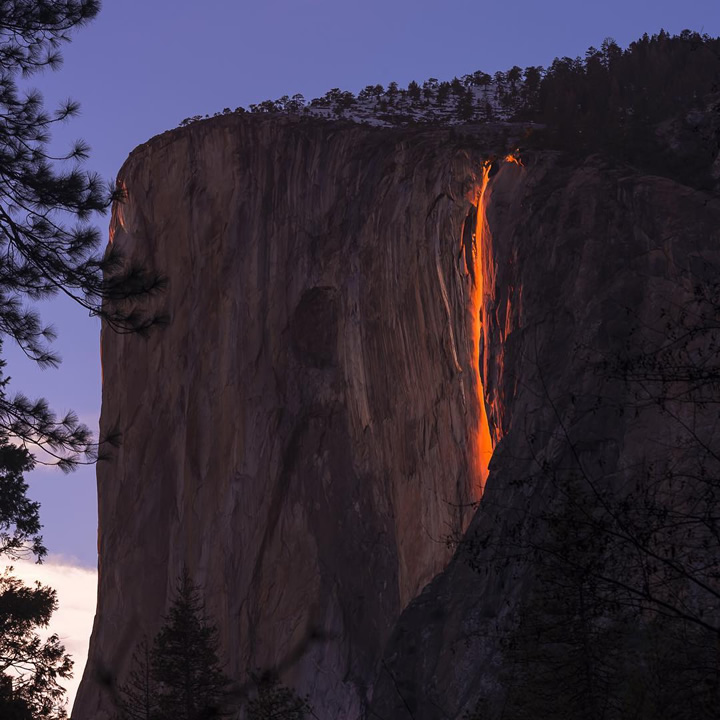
(298, 435)
(579, 262)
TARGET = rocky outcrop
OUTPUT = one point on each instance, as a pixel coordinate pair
(304, 435)
(298, 435)
(580, 261)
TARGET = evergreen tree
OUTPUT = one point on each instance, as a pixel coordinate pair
(180, 677)
(443, 91)
(138, 700)
(29, 667)
(48, 247)
(47, 243)
(275, 701)
(413, 91)
(189, 680)
(19, 516)
(465, 107)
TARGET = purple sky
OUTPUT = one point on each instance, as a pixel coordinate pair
(144, 65)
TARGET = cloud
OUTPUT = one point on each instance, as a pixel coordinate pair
(76, 588)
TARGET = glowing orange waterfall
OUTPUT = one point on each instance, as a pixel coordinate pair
(481, 445)
(514, 157)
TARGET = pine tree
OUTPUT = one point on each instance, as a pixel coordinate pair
(275, 701)
(29, 666)
(47, 243)
(465, 107)
(19, 516)
(138, 701)
(180, 677)
(185, 664)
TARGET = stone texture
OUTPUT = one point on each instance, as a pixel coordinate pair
(576, 258)
(301, 435)
(298, 435)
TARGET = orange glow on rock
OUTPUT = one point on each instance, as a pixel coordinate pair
(514, 157)
(117, 217)
(481, 444)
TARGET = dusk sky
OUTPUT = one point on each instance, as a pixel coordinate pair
(144, 65)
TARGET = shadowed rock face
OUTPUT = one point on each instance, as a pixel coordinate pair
(298, 435)
(579, 262)
(301, 434)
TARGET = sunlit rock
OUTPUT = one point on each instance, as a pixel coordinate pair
(302, 435)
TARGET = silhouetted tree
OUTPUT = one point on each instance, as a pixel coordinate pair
(29, 666)
(19, 516)
(583, 647)
(465, 107)
(138, 696)
(180, 677)
(615, 101)
(296, 103)
(189, 680)
(43, 254)
(275, 701)
(443, 92)
(430, 86)
(413, 90)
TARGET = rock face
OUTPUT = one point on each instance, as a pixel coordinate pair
(298, 435)
(305, 433)
(576, 259)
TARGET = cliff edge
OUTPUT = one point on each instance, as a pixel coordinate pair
(298, 435)
(358, 316)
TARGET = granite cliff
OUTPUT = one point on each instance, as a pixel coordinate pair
(582, 262)
(357, 316)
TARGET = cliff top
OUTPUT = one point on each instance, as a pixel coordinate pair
(653, 105)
